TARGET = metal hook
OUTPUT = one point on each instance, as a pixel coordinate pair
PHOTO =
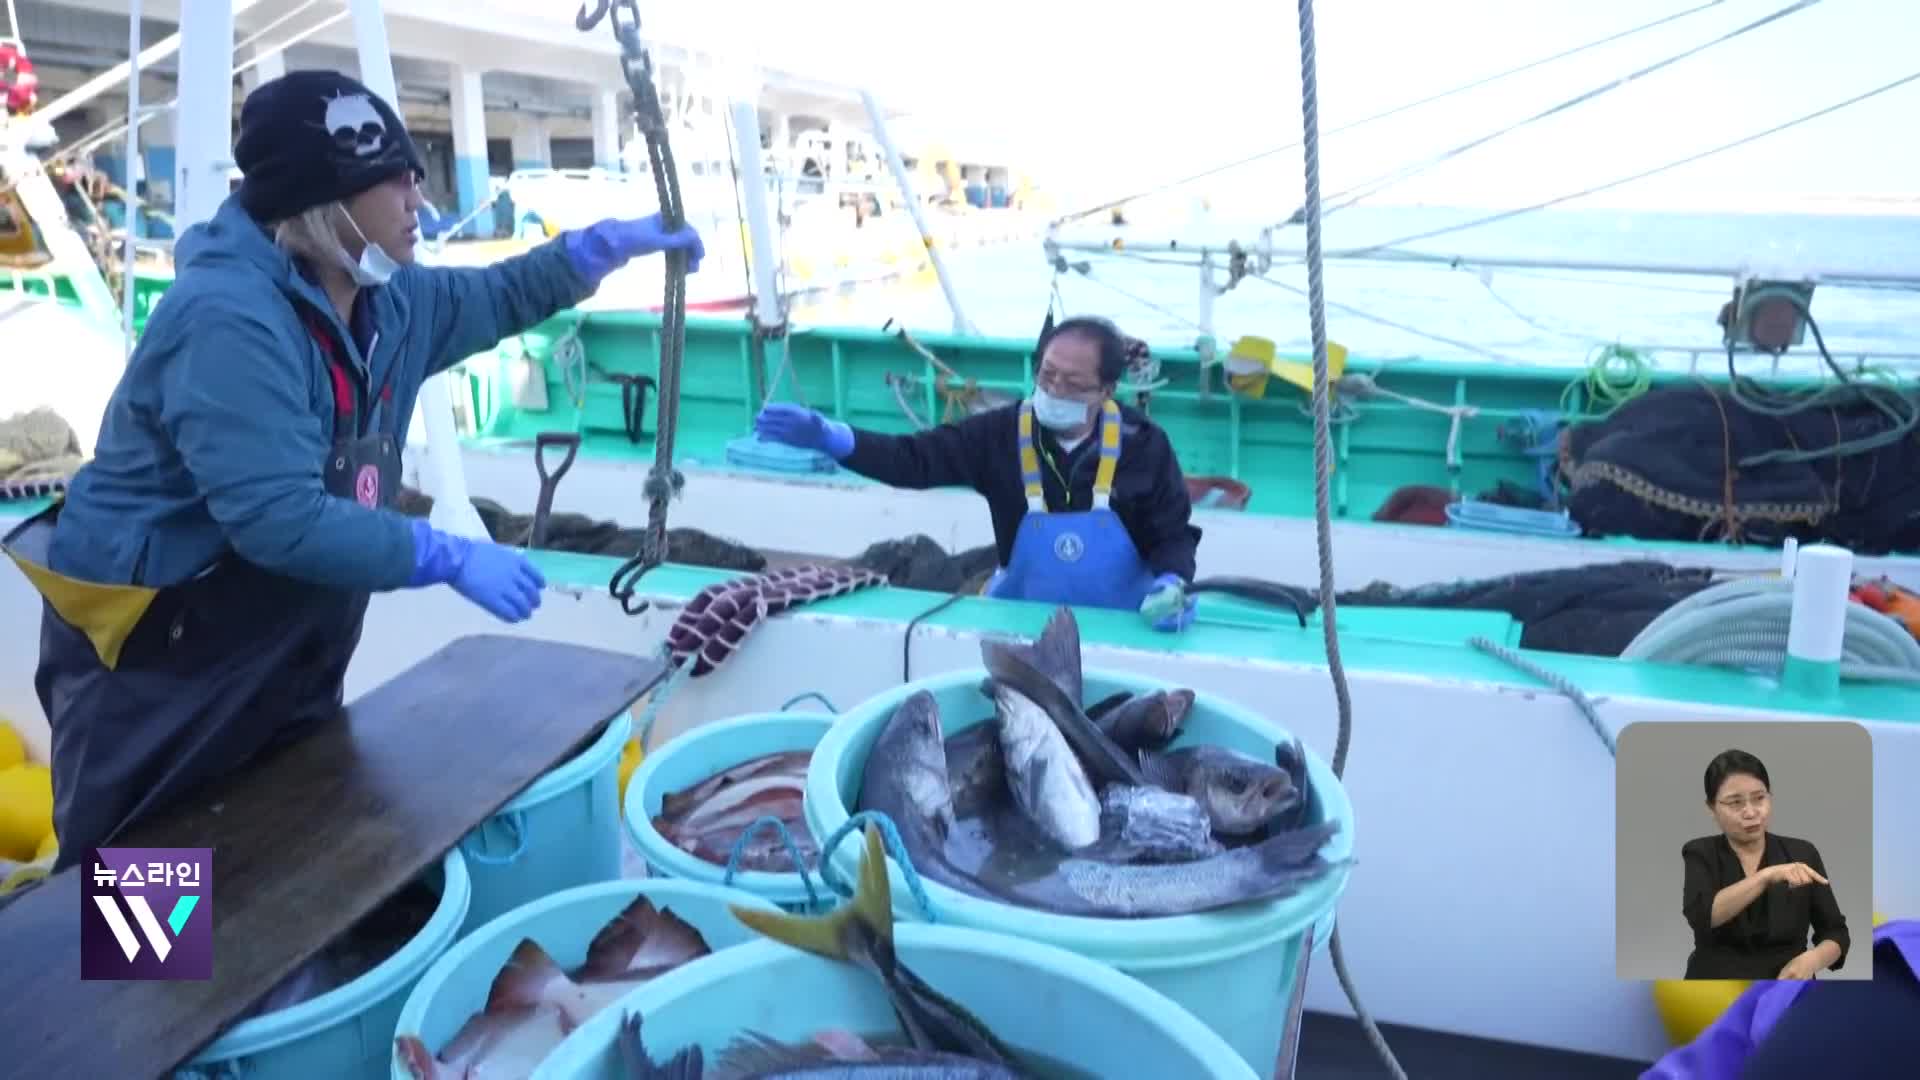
(584, 21)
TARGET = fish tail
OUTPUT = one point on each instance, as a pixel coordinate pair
(523, 982)
(416, 1058)
(688, 1064)
(870, 912)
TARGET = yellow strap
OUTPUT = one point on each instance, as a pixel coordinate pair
(1030, 460)
(1109, 451)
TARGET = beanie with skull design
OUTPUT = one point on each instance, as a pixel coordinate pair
(315, 137)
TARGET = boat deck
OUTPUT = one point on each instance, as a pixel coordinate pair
(1335, 1048)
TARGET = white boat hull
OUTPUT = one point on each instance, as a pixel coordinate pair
(839, 518)
(1453, 782)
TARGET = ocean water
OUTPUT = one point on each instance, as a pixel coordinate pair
(1463, 312)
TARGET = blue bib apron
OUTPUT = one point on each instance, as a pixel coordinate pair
(1082, 558)
(153, 692)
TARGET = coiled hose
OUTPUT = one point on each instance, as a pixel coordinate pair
(1743, 624)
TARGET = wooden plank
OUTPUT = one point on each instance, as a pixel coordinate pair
(307, 841)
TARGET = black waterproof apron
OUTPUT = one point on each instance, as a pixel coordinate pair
(151, 693)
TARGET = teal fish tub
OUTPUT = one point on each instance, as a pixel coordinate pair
(707, 751)
(1234, 968)
(562, 830)
(456, 986)
(346, 1032)
(1074, 1017)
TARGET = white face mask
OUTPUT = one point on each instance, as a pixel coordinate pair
(1058, 414)
(375, 267)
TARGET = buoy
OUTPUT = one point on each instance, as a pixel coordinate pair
(13, 750)
(26, 810)
(631, 756)
(49, 847)
(1878, 918)
(1687, 1006)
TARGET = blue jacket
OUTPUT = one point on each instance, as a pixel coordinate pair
(215, 438)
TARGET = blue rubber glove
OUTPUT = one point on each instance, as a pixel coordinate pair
(603, 247)
(801, 427)
(498, 579)
(1168, 607)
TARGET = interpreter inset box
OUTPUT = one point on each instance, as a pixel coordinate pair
(1743, 850)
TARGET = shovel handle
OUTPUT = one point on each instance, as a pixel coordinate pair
(568, 439)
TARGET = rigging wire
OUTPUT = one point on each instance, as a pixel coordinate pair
(1368, 188)
(1596, 189)
(1395, 110)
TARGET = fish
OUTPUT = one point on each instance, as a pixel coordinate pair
(754, 1056)
(1154, 825)
(1104, 762)
(533, 1004)
(1240, 793)
(976, 772)
(1143, 721)
(707, 819)
(906, 779)
(1044, 775)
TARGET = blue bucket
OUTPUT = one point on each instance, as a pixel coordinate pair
(703, 752)
(1234, 968)
(348, 1031)
(562, 831)
(456, 986)
(1038, 999)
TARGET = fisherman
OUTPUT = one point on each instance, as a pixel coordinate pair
(207, 575)
(1046, 467)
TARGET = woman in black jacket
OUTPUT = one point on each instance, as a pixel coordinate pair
(1755, 898)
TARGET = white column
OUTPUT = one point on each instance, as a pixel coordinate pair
(470, 171)
(607, 125)
(443, 475)
(204, 150)
(267, 67)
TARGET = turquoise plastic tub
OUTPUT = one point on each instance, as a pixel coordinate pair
(1038, 999)
(563, 924)
(699, 754)
(346, 1032)
(562, 831)
(1233, 968)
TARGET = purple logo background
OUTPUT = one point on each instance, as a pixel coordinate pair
(183, 894)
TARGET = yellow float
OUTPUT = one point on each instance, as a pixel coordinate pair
(26, 810)
(13, 750)
(1688, 1006)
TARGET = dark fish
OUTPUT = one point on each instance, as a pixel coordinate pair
(906, 779)
(533, 1004)
(1277, 866)
(1045, 777)
(860, 933)
(1105, 763)
(1292, 597)
(1095, 711)
(975, 770)
(1055, 654)
(1153, 825)
(1144, 721)
(1240, 793)
(1292, 757)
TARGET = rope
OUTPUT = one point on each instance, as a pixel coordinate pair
(663, 480)
(677, 675)
(815, 695)
(1642, 175)
(1398, 109)
(1743, 624)
(793, 852)
(1322, 471)
(1901, 410)
(1616, 374)
(1556, 680)
(895, 848)
(1380, 183)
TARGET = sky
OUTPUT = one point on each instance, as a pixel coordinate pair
(1103, 99)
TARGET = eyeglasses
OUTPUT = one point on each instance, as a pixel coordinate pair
(1737, 804)
(1058, 383)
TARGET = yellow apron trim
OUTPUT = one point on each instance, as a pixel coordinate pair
(1109, 452)
(106, 614)
(1030, 461)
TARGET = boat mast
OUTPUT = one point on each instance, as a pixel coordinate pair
(961, 325)
(129, 260)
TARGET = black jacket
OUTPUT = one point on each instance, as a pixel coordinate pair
(983, 452)
(1758, 942)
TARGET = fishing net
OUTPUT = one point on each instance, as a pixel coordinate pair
(1595, 610)
(1695, 463)
(589, 536)
(918, 562)
(39, 453)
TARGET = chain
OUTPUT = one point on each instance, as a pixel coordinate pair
(663, 481)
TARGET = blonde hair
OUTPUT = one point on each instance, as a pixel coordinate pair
(311, 234)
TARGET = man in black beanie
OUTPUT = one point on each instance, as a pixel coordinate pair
(207, 575)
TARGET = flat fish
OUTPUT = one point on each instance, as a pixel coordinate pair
(708, 819)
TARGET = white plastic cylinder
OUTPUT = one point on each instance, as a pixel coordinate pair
(1787, 552)
(1822, 580)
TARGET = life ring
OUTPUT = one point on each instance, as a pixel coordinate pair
(19, 86)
